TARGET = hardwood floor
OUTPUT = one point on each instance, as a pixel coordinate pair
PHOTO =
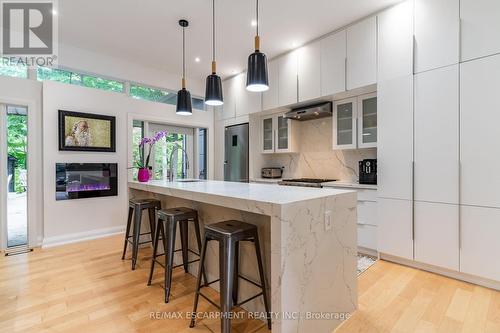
(85, 287)
(395, 298)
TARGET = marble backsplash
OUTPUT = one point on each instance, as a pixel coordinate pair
(316, 158)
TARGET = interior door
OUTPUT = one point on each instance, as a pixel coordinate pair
(236, 153)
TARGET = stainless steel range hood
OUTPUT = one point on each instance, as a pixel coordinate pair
(315, 111)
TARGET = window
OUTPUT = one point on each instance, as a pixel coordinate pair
(202, 153)
(137, 152)
(64, 76)
(162, 96)
(152, 94)
(8, 68)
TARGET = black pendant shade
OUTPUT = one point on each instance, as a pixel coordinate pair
(257, 79)
(213, 90)
(213, 87)
(184, 107)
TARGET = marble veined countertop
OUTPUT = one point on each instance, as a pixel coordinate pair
(277, 195)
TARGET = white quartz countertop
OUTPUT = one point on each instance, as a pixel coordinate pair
(280, 195)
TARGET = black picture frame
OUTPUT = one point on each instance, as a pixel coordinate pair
(62, 135)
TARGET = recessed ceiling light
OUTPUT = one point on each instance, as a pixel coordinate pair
(197, 59)
(294, 44)
(254, 23)
(54, 12)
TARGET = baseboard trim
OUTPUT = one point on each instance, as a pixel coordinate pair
(492, 284)
(367, 251)
(81, 236)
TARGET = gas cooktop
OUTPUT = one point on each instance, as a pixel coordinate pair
(306, 182)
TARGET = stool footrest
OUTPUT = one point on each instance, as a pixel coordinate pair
(140, 243)
(145, 233)
(176, 266)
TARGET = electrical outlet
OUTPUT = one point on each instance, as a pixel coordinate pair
(328, 220)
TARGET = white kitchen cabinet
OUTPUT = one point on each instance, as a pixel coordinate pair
(344, 124)
(480, 247)
(247, 102)
(367, 212)
(333, 59)
(395, 41)
(287, 78)
(229, 90)
(437, 135)
(437, 34)
(480, 116)
(278, 134)
(395, 227)
(309, 71)
(362, 54)
(395, 138)
(480, 28)
(367, 121)
(367, 236)
(267, 134)
(437, 234)
(270, 98)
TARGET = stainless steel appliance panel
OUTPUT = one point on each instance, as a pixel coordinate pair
(236, 153)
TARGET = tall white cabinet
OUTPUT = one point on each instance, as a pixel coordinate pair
(480, 28)
(395, 128)
(437, 135)
(437, 33)
(480, 158)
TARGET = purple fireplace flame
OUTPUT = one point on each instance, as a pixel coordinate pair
(77, 187)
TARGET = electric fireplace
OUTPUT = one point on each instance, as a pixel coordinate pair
(86, 180)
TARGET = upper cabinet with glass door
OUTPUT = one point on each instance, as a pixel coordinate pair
(367, 121)
(355, 122)
(344, 124)
(278, 134)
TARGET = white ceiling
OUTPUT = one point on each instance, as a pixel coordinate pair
(146, 31)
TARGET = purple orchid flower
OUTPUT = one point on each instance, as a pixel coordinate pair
(144, 141)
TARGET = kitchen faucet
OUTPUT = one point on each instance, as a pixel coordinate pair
(171, 166)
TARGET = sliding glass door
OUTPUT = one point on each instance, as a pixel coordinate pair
(14, 141)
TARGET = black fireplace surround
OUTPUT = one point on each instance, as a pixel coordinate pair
(86, 180)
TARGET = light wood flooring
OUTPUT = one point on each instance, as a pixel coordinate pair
(400, 299)
(85, 287)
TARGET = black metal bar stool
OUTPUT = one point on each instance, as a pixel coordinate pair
(167, 225)
(229, 234)
(135, 208)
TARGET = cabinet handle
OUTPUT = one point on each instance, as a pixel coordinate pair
(413, 201)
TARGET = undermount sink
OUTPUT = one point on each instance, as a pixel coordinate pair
(188, 180)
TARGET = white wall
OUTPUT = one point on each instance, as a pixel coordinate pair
(27, 93)
(77, 219)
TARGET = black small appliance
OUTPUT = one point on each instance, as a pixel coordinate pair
(368, 171)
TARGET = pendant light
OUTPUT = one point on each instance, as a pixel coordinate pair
(184, 106)
(213, 88)
(257, 79)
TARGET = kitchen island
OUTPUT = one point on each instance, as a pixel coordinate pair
(308, 240)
